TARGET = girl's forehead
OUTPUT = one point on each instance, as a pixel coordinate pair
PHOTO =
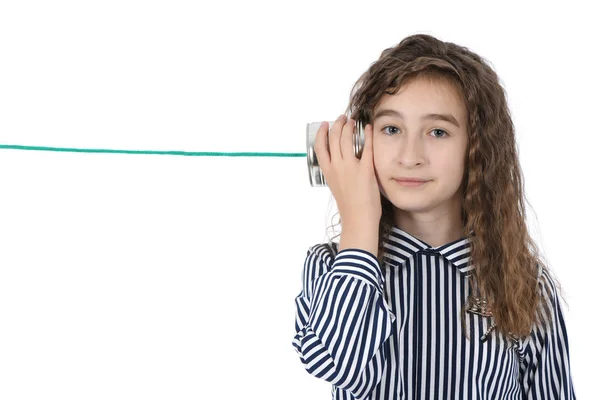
(424, 96)
(436, 89)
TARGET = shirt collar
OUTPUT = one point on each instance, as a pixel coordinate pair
(400, 246)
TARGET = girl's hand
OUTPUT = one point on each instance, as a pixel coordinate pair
(352, 182)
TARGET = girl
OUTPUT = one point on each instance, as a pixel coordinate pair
(436, 291)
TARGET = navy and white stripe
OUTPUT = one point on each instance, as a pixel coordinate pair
(399, 336)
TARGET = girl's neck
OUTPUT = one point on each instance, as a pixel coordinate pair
(435, 230)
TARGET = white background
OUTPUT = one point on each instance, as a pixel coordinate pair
(170, 277)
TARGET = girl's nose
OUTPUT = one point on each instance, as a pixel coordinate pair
(411, 151)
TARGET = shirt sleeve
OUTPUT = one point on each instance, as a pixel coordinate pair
(342, 319)
(545, 368)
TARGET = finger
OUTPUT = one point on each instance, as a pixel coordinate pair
(334, 139)
(346, 145)
(367, 154)
(321, 148)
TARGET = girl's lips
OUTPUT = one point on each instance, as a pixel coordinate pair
(411, 183)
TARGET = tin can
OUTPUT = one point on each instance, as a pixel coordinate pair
(315, 174)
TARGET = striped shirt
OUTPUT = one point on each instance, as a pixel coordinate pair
(397, 334)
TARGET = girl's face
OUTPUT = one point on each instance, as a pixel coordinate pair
(420, 132)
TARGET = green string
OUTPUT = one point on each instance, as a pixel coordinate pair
(174, 153)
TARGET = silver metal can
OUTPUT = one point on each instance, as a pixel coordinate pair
(315, 174)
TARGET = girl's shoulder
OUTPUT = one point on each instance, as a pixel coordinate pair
(549, 297)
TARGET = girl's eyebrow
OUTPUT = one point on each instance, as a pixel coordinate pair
(434, 116)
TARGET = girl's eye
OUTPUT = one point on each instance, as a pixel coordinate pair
(440, 130)
(385, 127)
(437, 129)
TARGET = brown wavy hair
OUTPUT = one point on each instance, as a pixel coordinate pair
(505, 257)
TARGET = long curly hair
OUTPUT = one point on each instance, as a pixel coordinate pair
(507, 261)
